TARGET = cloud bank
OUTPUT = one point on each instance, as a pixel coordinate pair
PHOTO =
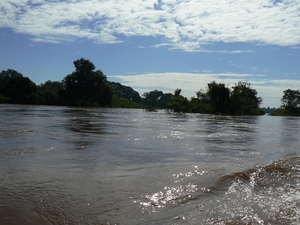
(269, 89)
(183, 24)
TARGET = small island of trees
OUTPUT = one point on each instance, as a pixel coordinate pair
(290, 104)
(87, 86)
(219, 99)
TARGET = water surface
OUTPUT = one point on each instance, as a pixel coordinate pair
(71, 165)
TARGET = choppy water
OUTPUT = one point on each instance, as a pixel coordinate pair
(63, 165)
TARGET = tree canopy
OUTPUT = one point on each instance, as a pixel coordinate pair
(49, 92)
(156, 98)
(5, 75)
(218, 96)
(244, 100)
(290, 104)
(219, 99)
(86, 87)
(125, 92)
(179, 104)
(290, 98)
(20, 90)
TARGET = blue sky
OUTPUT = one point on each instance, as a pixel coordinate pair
(157, 44)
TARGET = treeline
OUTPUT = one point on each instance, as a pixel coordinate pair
(268, 109)
(219, 99)
(83, 87)
(155, 98)
(87, 86)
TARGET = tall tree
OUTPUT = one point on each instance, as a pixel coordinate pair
(218, 95)
(151, 98)
(244, 100)
(291, 100)
(85, 86)
(49, 92)
(178, 103)
(5, 75)
(21, 90)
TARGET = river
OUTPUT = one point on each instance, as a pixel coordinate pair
(72, 165)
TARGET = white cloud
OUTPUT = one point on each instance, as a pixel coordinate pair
(270, 90)
(291, 74)
(185, 24)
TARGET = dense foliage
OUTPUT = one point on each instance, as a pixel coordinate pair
(125, 92)
(49, 92)
(6, 75)
(156, 99)
(85, 86)
(119, 102)
(89, 87)
(20, 90)
(14, 88)
(290, 104)
(218, 99)
(244, 100)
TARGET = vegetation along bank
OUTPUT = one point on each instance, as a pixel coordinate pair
(87, 86)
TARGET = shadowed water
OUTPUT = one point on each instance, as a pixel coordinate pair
(64, 165)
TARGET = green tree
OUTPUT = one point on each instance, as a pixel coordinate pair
(151, 98)
(21, 90)
(244, 100)
(156, 99)
(53, 86)
(201, 103)
(218, 96)
(5, 75)
(164, 99)
(125, 92)
(290, 98)
(178, 103)
(49, 92)
(291, 101)
(86, 87)
(202, 97)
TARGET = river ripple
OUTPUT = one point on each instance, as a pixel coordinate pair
(71, 165)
